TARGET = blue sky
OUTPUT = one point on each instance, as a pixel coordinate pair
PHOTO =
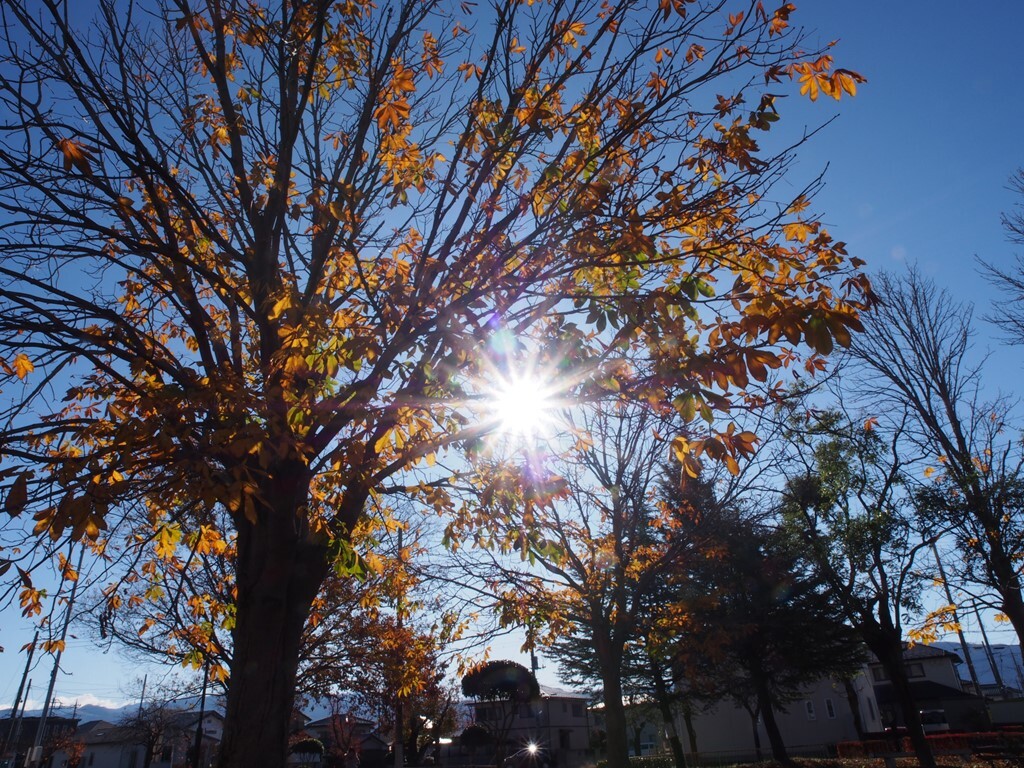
(918, 165)
(919, 161)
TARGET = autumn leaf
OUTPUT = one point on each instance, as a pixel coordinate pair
(26, 579)
(694, 52)
(847, 81)
(76, 155)
(23, 366)
(287, 344)
(780, 19)
(403, 80)
(392, 113)
(17, 496)
(166, 541)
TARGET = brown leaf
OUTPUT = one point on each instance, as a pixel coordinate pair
(17, 496)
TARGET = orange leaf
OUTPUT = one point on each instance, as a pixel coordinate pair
(23, 366)
(75, 155)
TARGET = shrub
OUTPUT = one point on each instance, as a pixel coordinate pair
(307, 746)
(647, 761)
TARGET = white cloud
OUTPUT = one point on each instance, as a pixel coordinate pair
(87, 699)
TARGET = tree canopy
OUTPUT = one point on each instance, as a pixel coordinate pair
(261, 263)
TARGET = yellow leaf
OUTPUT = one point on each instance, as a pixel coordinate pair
(167, 539)
(280, 307)
(23, 366)
(382, 442)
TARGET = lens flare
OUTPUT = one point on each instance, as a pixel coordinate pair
(523, 407)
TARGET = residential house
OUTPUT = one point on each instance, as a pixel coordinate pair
(824, 714)
(811, 723)
(18, 735)
(348, 739)
(553, 730)
(937, 690)
(107, 745)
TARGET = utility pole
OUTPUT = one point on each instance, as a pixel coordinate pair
(956, 619)
(142, 698)
(17, 724)
(17, 696)
(988, 653)
(36, 752)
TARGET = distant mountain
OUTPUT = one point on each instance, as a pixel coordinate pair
(89, 712)
(84, 713)
(316, 709)
(1006, 657)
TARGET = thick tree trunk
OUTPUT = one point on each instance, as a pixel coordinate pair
(412, 743)
(890, 655)
(690, 730)
(664, 702)
(279, 571)
(756, 734)
(771, 725)
(398, 743)
(854, 702)
(615, 720)
(1012, 602)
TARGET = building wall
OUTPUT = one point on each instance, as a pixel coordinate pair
(177, 749)
(812, 723)
(938, 669)
(941, 670)
(107, 756)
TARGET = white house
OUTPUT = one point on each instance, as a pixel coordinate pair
(821, 716)
(557, 725)
(107, 745)
(936, 687)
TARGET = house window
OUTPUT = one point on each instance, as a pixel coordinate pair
(809, 709)
(871, 709)
(830, 709)
(92, 757)
(565, 707)
(564, 739)
(915, 670)
(879, 674)
(577, 709)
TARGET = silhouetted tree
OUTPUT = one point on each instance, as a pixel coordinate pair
(505, 685)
